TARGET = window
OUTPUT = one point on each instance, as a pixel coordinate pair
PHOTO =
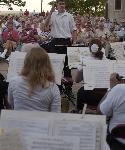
(118, 5)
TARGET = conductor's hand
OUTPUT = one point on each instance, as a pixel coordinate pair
(114, 80)
(52, 9)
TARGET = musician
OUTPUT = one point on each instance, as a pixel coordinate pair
(35, 87)
(113, 106)
(91, 97)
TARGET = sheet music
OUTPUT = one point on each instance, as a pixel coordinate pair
(26, 126)
(12, 114)
(119, 67)
(58, 69)
(75, 54)
(98, 120)
(86, 131)
(12, 141)
(96, 74)
(52, 143)
(17, 61)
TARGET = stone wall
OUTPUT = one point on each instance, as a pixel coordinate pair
(116, 14)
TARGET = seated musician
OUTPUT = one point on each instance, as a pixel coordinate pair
(113, 105)
(35, 87)
(93, 97)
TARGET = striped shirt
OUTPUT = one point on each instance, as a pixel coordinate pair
(42, 99)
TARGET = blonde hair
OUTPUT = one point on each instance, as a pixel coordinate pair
(37, 69)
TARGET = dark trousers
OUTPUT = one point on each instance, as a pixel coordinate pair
(59, 46)
(89, 97)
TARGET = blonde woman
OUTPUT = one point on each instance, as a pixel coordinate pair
(35, 88)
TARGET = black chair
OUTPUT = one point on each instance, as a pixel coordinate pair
(117, 132)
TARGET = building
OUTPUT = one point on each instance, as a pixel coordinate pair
(116, 9)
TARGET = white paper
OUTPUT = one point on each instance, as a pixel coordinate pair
(17, 61)
(26, 126)
(74, 55)
(97, 120)
(96, 73)
(86, 131)
(119, 67)
(12, 141)
(52, 143)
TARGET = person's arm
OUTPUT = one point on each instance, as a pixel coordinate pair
(73, 29)
(105, 105)
(47, 21)
(10, 97)
(56, 100)
(98, 108)
(23, 37)
(74, 37)
(79, 75)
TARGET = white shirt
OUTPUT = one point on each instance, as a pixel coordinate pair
(100, 33)
(62, 25)
(114, 105)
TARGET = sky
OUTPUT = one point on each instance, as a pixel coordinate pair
(31, 5)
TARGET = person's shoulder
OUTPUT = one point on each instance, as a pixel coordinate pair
(68, 14)
(54, 13)
(52, 85)
(120, 87)
(16, 79)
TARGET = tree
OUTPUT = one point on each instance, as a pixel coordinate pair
(9, 3)
(95, 7)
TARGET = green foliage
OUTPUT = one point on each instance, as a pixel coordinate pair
(14, 2)
(95, 7)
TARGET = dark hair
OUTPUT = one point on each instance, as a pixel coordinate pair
(99, 53)
(60, 1)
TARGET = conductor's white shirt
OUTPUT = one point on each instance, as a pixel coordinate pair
(62, 25)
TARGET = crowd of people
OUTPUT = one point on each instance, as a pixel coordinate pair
(53, 32)
(17, 31)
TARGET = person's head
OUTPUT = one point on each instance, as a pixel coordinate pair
(10, 18)
(95, 47)
(78, 25)
(101, 26)
(123, 22)
(37, 69)
(28, 25)
(10, 26)
(61, 6)
(23, 24)
(112, 28)
(87, 27)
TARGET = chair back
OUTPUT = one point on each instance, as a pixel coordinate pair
(119, 131)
